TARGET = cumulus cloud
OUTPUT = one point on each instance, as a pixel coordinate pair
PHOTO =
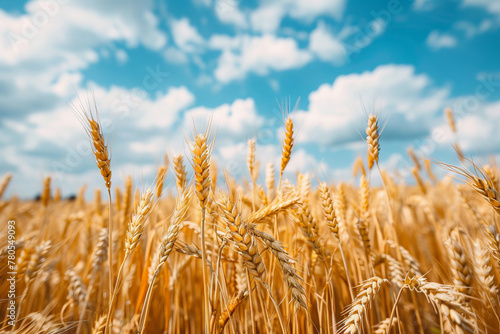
(236, 121)
(336, 110)
(477, 129)
(53, 40)
(437, 40)
(186, 36)
(268, 16)
(30, 36)
(228, 12)
(326, 46)
(259, 55)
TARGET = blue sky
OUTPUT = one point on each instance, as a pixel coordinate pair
(157, 67)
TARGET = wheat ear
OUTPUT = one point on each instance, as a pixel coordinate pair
(160, 179)
(165, 248)
(180, 171)
(252, 168)
(230, 309)
(461, 271)
(480, 182)
(358, 166)
(242, 237)
(287, 146)
(492, 173)
(493, 242)
(46, 192)
(200, 154)
(89, 118)
(484, 269)
(5, 182)
(270, 181)
(135, 229)
(451, 119)
(99, 325)
(277, 206)
(290, 276)
(383, 326)
(372, 139)
(356, 311)
(455, 316)
(332, 223)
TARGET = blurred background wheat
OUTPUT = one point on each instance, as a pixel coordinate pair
(324, 166)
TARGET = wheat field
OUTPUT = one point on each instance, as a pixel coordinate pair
(212, 254)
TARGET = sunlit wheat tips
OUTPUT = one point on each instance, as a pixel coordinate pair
(480, 182)
(270, 180)
(372, 139)
(451, 120)
(160, 179)
(357, 310)
(358, 166)
(180, 171)
(89, 117)
(180, 214)
(201, 150)
(165, 247)
(328, 209)
(493, 241)
(287, 144)
(252, 168)
(5, 182)
(46, 192)
(137, 223)
(292, 279)
(242, 237)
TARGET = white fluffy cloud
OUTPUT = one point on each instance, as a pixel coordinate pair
(186, 36)
(437, 40)
(326, 46)
(477, 129)
(235, 121)
(268, 16)
(407, 99)
(53, 40)
(31, 36)
(257, 54)
(227, 11)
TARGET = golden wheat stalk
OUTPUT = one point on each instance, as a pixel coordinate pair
(451, 120)
(201, 151)
(455, 316)
(230, 309)
(4, 183)
(287, 147)
(358, 308)
(242, 237)
(165, 248)
(290, 275)
(358, 167)
(372, 139)
(180, 171)
(277, 206)
(480, 182)
(160, 179)
(252, 168)
(135, 229)
(270, 181)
